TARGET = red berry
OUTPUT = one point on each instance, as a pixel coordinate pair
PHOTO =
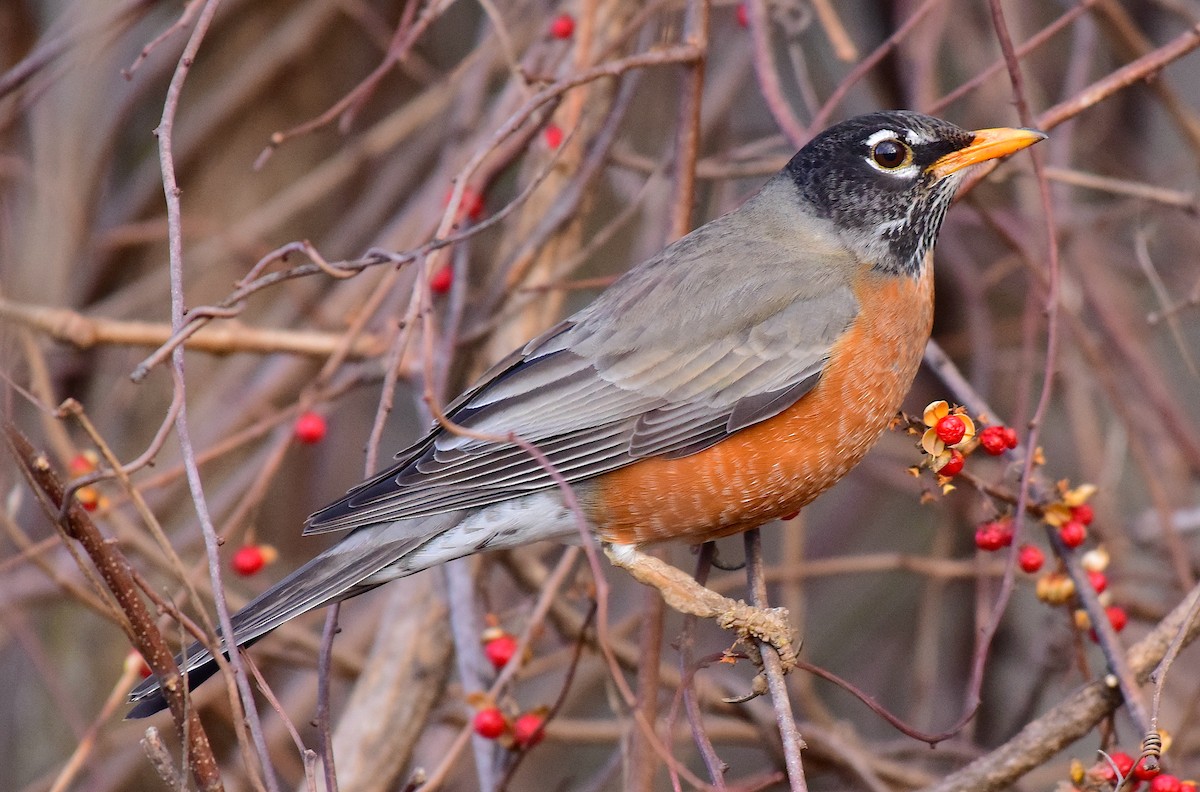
(310, 428)
(528, 730)
(1030, 558)
(1166, 783)
(994, 440)
(1072, 533)
(440, 281)
(88, 497)
(1083, 513)
(950, 429)
(471, 206)
(987, 539)
(954, 465)
(743, 15)
(500, 650)
(1117, 617)
(489, 722)
(994, 535)
(563, 26)
(1123, 761)
(248, 560)
(1010, 436)
(1143, 773)
(553, 135)
(1099, 581)
(82, 464)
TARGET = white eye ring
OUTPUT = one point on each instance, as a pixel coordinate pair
(906, 168)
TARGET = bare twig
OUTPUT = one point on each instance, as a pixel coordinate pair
(175, 243)
(773, 668)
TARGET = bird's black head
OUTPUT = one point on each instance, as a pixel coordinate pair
(886, 180)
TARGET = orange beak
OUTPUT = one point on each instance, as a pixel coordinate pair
(987, 145)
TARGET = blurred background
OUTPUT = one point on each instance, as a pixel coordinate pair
(346, 123)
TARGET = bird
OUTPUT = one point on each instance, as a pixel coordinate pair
(719, 385)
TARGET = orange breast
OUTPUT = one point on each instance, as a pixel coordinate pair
(775, 467)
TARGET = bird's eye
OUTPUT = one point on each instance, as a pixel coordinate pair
(891, 154)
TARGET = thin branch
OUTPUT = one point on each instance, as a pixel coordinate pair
(768, 75)
(773, 668)
(172, 192)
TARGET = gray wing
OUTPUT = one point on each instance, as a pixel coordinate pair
(662, 364)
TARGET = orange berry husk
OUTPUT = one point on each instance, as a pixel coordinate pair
(1055, 588)
(88, 497)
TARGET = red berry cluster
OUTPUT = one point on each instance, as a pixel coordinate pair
(520, 734)
(1071, 514)
(1074, 531)
(950, 437)
(1057, 588)
(995, 534)
(90, 498)
(997, 439)
(1120, 765)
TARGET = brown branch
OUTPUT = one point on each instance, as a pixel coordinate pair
(768, 75)
(865, 65)
(835, 31)
(1179, 199)
(687, 137)
(227, 338)
(1144, 68)
(1034, 42)
(403, 40)
(114, 569)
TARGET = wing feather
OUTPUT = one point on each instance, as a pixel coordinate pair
(626, 379)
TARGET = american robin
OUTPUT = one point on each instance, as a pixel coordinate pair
(721, 384)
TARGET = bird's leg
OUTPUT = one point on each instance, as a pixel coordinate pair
(681, 592)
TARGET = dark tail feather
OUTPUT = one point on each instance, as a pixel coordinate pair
(336, 574)
(151, 700)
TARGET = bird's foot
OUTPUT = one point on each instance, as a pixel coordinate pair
(681, 592)
(769, 625)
